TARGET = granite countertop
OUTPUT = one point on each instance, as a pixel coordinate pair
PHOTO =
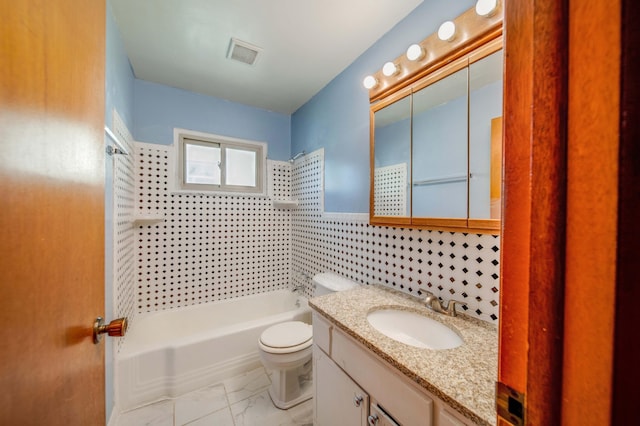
(463, 377)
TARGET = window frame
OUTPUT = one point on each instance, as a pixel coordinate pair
(184, 137)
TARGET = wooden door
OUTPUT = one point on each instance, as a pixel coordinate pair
(570, 232)
(52, 58)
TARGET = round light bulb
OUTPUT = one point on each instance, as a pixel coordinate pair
(369, 82)
(486, 7)
(389, 69)
(447, 31)
(415, 52)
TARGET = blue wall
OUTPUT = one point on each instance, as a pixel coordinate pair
(118, 94)
(158, 109)
(337, 118)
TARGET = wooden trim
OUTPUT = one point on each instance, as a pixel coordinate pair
(489, 224)
(437, 222)
(389, 220)
(534, 205)
(372, 163)
(469, 230)
(472, 31)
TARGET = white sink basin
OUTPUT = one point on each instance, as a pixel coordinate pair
(414, 329)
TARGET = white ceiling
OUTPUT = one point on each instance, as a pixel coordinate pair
(305, 44)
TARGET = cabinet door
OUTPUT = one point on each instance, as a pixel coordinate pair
(338, 399)
(445, 418)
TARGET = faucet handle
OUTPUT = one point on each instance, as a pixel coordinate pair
(451, 307)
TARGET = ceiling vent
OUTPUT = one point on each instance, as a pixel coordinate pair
(243, 52)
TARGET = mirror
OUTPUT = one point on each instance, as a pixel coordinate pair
(437, 147)
(485, 136)
(392, 160)
(440, 148)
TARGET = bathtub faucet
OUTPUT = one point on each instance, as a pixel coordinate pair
(304, 275)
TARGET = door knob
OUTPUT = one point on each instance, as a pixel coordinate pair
(117, 327)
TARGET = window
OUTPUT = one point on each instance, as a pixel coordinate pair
(219, 164)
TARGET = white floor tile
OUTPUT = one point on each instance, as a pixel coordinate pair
(200, 403)
(302, 414)
(240, 401)
(158, 414)
(219, 418)
(246, 385)
(259, 410)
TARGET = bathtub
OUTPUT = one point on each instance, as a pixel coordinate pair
(169, 353)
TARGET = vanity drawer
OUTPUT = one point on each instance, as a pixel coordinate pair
(322, 333)
(392, 390)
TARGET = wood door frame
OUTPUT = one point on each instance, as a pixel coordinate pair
(534, 209)
(570, 229)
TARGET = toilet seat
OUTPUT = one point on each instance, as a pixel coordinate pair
(286, 337)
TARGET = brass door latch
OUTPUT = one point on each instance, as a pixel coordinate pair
(117, 327)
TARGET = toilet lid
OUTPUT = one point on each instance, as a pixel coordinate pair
(286, 334)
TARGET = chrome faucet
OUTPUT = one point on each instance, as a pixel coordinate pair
(432, 302)
(305, 278)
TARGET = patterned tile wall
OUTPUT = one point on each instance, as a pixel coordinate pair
(123, 233)
(452, 265)
(208, 247)
(390, 187)
(218, 247)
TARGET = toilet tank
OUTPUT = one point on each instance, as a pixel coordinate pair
(328, 282)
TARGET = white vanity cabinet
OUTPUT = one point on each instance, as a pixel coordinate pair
(338, 399)
(353, 386)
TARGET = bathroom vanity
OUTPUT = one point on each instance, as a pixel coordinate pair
(363, 377)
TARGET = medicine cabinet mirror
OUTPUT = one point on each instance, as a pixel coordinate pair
(437, 147)
(436, 132)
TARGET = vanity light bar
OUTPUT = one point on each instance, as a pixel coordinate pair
(482, 21)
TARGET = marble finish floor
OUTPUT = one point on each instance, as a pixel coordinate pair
(239, 401)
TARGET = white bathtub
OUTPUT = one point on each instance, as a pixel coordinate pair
(169, 353)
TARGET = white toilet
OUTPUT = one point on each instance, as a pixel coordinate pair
(285, 349)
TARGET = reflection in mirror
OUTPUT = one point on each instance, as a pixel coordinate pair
(440, 148)
(392, 159)
(485, 136)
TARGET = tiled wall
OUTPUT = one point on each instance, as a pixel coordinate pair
(390, 186)
(124, 235)
(451, 265)
(216, 247)
(208, 247)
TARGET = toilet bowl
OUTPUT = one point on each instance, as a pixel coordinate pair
(285, 349)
